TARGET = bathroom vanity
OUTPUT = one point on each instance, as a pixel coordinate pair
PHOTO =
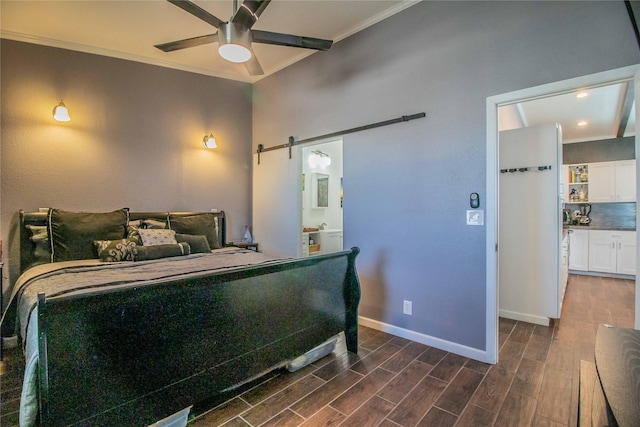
(321, 242)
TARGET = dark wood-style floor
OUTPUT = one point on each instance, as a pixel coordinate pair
(396, 382)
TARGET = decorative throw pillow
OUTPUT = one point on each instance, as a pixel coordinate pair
(133, 233)
(154, 237)
(72, 233)
(199, 244)
(115, 250)
(205, 224)
(145, 253)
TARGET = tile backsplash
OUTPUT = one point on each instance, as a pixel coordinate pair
(610, 214)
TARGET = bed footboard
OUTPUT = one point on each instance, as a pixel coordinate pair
(134, 356)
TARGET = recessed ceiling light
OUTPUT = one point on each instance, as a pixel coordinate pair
(581, 94)
(583, 123)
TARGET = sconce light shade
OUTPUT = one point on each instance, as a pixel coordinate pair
(319, 160)
(234, 43)
(61, 113)
(209, 141)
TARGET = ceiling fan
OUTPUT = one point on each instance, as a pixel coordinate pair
(235, 36)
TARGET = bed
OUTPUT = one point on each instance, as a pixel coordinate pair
(143, 332)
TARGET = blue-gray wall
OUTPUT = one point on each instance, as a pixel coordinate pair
(134, 139)
(406, 186)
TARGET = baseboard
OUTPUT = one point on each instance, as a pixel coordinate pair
(462, 350)
(599, 274)
(522, 317)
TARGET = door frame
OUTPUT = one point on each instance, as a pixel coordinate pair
(493, 103)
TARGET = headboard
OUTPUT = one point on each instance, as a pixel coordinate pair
(28, 248)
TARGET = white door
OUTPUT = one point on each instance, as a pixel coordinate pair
(602, 182)
(277, 222)
(626, 181)
(530, 223)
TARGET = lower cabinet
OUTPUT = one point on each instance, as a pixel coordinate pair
(578, 250)
(612, 251)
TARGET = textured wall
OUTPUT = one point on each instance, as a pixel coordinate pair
(134, 140)
(407, 186)
(603, 150)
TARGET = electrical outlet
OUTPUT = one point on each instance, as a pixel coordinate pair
(406, 307)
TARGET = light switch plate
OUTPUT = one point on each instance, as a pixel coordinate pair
(475, 217)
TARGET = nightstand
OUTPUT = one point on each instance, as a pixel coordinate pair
(253, 246)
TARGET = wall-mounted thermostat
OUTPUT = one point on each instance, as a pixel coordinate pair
(474, 200)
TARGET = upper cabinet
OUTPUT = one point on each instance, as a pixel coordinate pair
(612, 181)
(600, 182)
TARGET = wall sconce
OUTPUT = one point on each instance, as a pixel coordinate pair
(209, 141)
(61, 113)
(318, 159)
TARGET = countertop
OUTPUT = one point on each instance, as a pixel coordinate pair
(597, 227)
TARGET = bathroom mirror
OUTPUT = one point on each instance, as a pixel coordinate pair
(319, 190)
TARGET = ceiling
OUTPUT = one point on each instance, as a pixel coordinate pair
(603, 109)
(130, 29)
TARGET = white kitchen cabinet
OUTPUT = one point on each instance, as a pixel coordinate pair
(626, 253)
(578, 250)
(612, 181)
(564, 268)
(625, 181)
(602, 182)
(612, 251)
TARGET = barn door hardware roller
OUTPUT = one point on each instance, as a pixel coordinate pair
(293, 142)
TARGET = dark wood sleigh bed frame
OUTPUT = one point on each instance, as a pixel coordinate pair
(133, 356)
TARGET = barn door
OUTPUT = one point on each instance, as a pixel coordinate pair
(277, 206)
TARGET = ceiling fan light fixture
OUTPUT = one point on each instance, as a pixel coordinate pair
(233, 43)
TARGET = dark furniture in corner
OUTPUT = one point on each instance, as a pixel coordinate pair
(610, 388)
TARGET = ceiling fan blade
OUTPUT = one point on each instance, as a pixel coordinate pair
(192, 42)
(249, 12)
(253, 66)
(197, 11)
(267, 37)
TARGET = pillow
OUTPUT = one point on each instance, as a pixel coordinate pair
(72, 233)
(153, 223)
(115, 250)
(40, 237)
(135, 223)
(199, 244)
(133, 233)
(155, 237)
(205, 224)
(144, 253)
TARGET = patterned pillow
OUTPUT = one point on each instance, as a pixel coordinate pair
(115, 250)
(156, 236)
(133, 233)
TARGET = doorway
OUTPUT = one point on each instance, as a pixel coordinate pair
(321, 198)
(493, 103)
